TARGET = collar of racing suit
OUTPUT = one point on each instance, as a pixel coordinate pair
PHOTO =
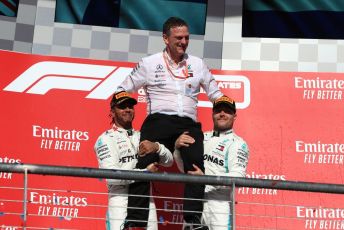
(217, 133)
(122, 130)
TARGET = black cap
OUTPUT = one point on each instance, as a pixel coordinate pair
(121, 97)
(224, 100)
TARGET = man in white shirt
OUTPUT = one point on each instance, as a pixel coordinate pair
(118, 148)
(172, 80)
(225, 154)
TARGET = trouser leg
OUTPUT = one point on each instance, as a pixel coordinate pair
(166, 129)
(193, 155)
(138, 217)
(138, 199)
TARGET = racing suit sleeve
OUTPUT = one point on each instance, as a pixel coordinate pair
(209, 84)
(237, 155)
(135, 80)
(178, 159)
(165, 156)
(108, 158)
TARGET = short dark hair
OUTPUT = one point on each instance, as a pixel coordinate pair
(172, 22)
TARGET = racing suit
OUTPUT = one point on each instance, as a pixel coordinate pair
(225, 154)
(171, 94)
(117, 148)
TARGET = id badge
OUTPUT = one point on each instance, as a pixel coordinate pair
(188, 89)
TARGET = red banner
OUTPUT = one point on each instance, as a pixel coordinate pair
(54, 108)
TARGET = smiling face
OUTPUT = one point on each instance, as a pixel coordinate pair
(177, 41)
(123, 115)
(223, 118)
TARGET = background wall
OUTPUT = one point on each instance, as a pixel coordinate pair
(60, 39)
(16, 33)
(280, 156)
(271, 54)
(222, 47)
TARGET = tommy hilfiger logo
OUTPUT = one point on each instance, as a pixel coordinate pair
(220, 147)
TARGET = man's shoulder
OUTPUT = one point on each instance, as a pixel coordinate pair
(208, 135)
(194, 59)
(237, 137)
(136, 133)
(239, 140)
(112, 135)
(103, 139)
(107, 134)
(152, 57)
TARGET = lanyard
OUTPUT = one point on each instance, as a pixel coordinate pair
(185, 70)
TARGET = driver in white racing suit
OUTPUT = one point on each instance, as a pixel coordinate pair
(118, 148)
(225, 154)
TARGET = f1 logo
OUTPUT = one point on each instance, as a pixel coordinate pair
(101, 80)
(41, 77)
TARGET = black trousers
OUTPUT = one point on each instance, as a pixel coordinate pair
(165, 129)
